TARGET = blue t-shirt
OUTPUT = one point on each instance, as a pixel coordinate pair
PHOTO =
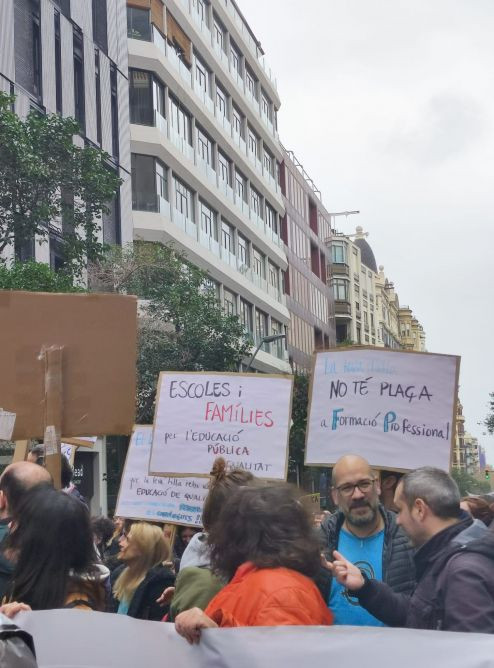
(367, 554)
(123, 607)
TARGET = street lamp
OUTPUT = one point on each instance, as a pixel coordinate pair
(265, 339)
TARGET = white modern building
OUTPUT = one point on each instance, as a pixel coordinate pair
(69, 57)
(206, 155)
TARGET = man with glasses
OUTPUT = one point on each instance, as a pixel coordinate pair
(367, 535)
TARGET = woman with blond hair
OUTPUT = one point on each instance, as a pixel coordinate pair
(142, 577)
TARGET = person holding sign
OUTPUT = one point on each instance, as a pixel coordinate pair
(263, 544)
(454, 562)
(368, 534)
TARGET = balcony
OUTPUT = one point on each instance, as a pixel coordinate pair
(342, 308)
(340, 268)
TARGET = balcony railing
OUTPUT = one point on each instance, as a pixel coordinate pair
(342, 307)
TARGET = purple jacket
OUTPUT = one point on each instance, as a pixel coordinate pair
(455, 584)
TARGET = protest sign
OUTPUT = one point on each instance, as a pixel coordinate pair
(146, 497)
(242, 417)
(76, 639)
(69, 451)
(397, 409)
(312, 502)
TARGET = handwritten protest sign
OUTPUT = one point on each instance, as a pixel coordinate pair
(244, 418)
(312, 502)
(147, 497)
(396, 409)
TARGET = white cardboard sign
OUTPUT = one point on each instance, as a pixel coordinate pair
(396, 409)
(146, 497)
(242, 417)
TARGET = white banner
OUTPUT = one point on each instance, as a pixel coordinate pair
(81, 639)
(396, 409)
(147, 497)
(244, 418)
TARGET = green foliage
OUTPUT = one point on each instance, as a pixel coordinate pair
(43, 177)
(489, 420)
(299, 425)
(470, 484)
(184, 327)
(34, 277)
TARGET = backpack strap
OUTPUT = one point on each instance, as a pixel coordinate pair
(79, 603)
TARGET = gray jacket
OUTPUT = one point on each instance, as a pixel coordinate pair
(398, 565)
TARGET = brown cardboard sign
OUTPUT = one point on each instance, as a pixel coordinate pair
(311, 502)
(98, 334)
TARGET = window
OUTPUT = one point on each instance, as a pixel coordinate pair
(273, 275)
(80, 113)
(100, 36)
(98, 95)
(204, 146)
(180, 120)
(208, 219)
(243, 251)
(236, 59)
(251, 82)
(271, 218)
(27, 45)
(240, 185)
(37, 52)
(221, 101)
(340, 289)
(158, 97)
(58, 66)
(161, 180)
(372, 320)
(366, 320)
(338, 252)
(201, 8)
(258, 263)
(268, 162)
(183, 199)
(227, 237)
(140, 97)
(202, 76)
(224, 168)
(266, 106)
(230, 302)
(218, 33)
(255, 202)
(138, 24)
(246, 315)
(252, 141)
(114, 111)
(111, 223)
(148, 181)
(238, 121)
(261, 324)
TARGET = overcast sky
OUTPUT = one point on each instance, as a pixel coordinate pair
(389, 105)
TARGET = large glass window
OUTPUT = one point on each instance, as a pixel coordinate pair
(338, 252)
(238, 121)
(261, 324)
(266, 105)
(340, 289)
(79, 100)
(202, 76)
(271, 218)
(224, 166)
(273, 275)
(236, 58)
(255, 202)
(114, 112)
(138, 24)
(218, 33)
(208, 219)
(100, 36)
(246, 315)
(240, 185)
(204, 146)
(230, 302)
(243, 251)
(268, 162)
(183, 199)
(27, 45)
(252, 141)
(180, 120)
(98, 96)
(58, 64)
(251, 83)
(258, 263)
(227, 237)
(140, 97)
(149, 180)
(161, 180)
(221, 101)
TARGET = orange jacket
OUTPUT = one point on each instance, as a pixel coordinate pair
(269, 597)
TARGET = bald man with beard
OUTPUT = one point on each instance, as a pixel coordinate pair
(368, 532)
(15, 481)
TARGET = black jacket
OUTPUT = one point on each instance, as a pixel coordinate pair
(143, 604)
(398, 566)
(6, 570)
(455, 584)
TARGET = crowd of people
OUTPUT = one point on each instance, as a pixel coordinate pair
(399, 550)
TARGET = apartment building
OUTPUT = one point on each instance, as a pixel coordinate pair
(69, 57)
(367, 308)
(306, 231)
(206, 155)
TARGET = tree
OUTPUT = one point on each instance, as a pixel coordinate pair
(35, 277)
(44, 176)
(183, 326)
(469, 484)
(298, 428)
(489, 420)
